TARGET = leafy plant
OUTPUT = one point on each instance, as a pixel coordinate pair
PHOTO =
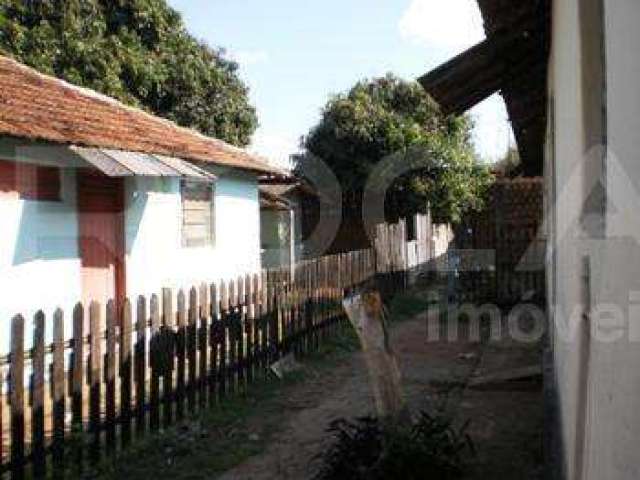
(367, 449)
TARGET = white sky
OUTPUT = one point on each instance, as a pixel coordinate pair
(451, 27)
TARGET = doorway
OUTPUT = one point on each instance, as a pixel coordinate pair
(101, 237)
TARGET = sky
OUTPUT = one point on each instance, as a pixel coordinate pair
(295, 54)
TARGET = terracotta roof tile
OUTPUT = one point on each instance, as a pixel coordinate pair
(40, 107)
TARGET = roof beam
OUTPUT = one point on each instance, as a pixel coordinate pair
(484, 69)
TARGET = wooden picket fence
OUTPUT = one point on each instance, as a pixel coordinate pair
(146, 364)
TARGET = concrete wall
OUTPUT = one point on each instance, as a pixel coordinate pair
(593, 225)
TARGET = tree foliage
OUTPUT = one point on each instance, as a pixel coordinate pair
(387, 117)
(137, 51)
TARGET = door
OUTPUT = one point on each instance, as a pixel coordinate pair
(101, 237)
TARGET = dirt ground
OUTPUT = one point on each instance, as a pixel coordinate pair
(506, 419)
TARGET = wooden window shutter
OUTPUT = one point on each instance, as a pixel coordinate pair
(197, 214)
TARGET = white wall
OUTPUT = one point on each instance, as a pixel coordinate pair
(614, 381)
(155, 256)
(39, 261)
(598, 378)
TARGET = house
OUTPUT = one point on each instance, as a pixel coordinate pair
(569, 72)
(100, 201)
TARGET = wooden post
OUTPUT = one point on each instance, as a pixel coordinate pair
(95, 378)
(77, 381)
(58, 396)
(366, 314)
(168, 355)
(154, 397)
(250, 322)
(214, 337)
(17, 398)
(232, 368)
(263, 315)
(224, 340)
(192, 349)
(126, 372)
(141, 366)
(39, 454)
(240, 330)
(181, 352)
(203, 335)
(110, 378)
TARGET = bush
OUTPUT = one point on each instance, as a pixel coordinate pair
(365, 449)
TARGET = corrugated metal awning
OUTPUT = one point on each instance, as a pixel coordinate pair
(119, 163)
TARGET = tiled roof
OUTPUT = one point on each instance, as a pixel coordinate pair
(40, 107)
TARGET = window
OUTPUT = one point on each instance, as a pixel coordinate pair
(197, 214)
(30, 182)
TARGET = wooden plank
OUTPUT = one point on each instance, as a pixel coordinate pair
(274, 341)
(240, 335)
(126, 373)
(17, 398)
(181, 339)
(203, 345)
(254, 347)
(307, 313)
(140, 372)
(233, 338)
(3, 463)
(262, 322)
(110, 378)
(192, 338)
(214, 343)
(168, 353)
(38, 453)
(58, 397)
(95, 379)
(154, 396)
(224, 336)
(316, 320)
(77, 376)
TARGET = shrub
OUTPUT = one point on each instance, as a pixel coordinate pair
(366, 449)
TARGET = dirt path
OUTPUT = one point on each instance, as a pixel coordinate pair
(506, 425)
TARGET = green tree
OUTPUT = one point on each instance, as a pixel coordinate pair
(137, 51)
(389, 116)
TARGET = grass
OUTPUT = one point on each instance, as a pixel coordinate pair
(216, 440)
(406, 305)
